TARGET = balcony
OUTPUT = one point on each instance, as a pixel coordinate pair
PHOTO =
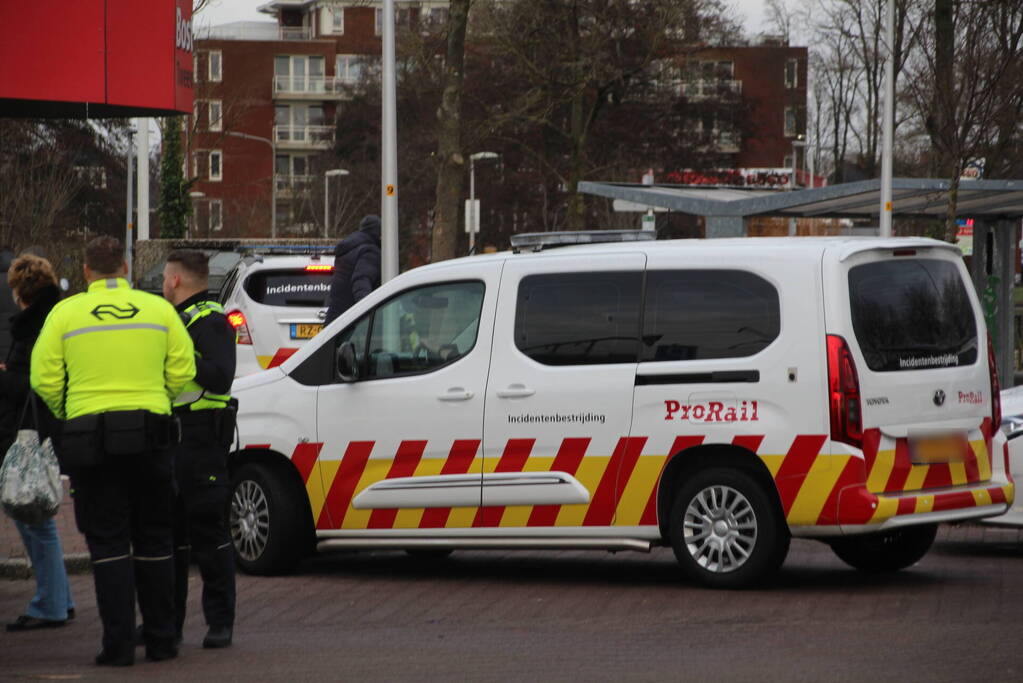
(253, 30)
(310, 88)
(290, 186)
(701, 90)
(303, 137)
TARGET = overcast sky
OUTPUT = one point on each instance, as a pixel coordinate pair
(223, 11)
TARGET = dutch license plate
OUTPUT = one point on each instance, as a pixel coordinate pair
(305, 330)
(936, 450)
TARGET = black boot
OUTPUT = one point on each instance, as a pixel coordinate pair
(115, 598)
(217, 637)
(155, 582)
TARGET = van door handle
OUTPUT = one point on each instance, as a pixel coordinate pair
(455, 394)
(515, 391)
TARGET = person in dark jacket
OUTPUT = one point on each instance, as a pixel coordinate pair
(34, 288)
(356, 267)
(7, 305)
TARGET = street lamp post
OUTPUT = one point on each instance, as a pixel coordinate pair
(326, 197)
(478, 156)
(273, 174)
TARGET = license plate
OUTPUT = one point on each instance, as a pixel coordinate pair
(305, 330)
(936, 450)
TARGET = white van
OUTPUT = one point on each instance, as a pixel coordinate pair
(718, 396)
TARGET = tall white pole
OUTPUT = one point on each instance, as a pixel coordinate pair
(129, 224)
(142, 125)
(885, 210)
(389, 141)
(472, 204)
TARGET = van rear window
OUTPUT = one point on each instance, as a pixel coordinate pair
(289, 287)
(912, 314)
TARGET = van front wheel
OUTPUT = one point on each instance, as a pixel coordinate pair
(726, 531)
(265, 522)
(888, 551)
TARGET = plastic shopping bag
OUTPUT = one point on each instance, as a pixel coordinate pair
(30, 487)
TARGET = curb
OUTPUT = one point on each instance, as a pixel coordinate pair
(19, 568)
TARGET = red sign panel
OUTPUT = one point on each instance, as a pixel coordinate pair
(119, 57)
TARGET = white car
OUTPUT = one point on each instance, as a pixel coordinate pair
(1012, 426)
(276, 303)
(715, 396)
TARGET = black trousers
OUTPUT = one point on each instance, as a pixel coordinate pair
(124, 509)
(201, 524)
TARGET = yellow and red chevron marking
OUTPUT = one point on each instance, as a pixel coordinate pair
(282, 354)
(815, 488)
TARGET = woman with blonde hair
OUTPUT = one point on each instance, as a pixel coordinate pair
(34, 287)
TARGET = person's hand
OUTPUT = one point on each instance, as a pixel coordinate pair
(3, 366)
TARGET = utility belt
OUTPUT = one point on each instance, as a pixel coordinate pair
(94, 440)
(211, 425)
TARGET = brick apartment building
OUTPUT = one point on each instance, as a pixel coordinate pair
(268, 97)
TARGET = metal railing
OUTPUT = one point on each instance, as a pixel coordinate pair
(304, 135)
(698, 89)
(290, 184)
(309, 85)
(253, 30)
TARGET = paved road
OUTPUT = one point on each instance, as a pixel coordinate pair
(570, 616)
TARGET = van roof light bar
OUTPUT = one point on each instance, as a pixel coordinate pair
(537, 241)
(286, 249)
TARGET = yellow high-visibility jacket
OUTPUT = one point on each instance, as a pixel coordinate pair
(111, 348)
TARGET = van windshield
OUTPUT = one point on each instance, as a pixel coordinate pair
(289, 287)
(912, 314)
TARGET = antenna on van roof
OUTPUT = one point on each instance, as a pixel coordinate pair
(537, 241)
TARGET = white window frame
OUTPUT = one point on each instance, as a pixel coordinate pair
(195, 67)
(378, 21)
(217, 122)
(195, 114)
(220, 165)
(794, 131)
(219, 224)
(336, 28)
(215, 77)
(794, 83)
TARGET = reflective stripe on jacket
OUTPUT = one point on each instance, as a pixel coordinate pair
(193, 395)
(111, 348)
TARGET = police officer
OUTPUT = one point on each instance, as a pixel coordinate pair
(108, 361)
(207, 421)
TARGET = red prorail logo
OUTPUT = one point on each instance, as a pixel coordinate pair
(974, 398)
(712, 411)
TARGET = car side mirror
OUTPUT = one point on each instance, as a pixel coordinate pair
(346, 363)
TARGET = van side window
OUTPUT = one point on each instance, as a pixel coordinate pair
(700, 314)
(579, 318)
(424, 329)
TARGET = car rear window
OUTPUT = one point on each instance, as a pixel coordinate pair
(289, 287)
(912, 314)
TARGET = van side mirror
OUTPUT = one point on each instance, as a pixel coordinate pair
(346, 363)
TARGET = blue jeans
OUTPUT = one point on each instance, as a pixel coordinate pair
(53, 593)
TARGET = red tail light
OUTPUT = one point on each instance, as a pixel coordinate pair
(844, 394)
(319, 268)
(996, 396)
(237, 320)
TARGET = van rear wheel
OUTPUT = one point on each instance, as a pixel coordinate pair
(725, 529)
(888, 551)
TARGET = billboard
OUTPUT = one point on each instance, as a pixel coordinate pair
(95, 58)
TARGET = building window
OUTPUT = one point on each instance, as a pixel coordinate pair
(216, 215)
(791, 73)
(216, 114)
(298, 73)
(791, 127)
(378, 22)
(789, 162)
(351, 68)
(195, 114)
(337, 20)
(215, 66)
(216, 164)
(434, 17)
(196, 75)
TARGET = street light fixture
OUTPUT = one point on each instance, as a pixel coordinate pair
(478, 156)
(326, 195)
(273, 174)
